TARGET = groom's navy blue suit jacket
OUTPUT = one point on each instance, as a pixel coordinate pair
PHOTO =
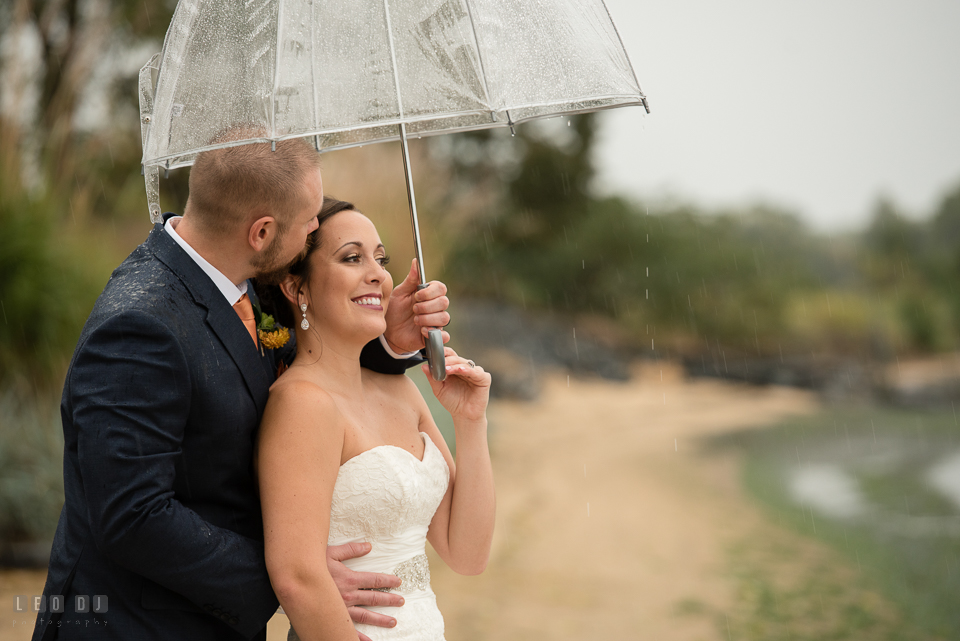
(160, 411)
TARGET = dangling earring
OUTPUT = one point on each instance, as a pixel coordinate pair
(304, 324)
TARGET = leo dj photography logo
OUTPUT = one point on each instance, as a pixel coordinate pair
(56, 604)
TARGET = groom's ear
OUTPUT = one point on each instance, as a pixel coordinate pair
(262, 231)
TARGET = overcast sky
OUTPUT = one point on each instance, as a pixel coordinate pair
(819, 106)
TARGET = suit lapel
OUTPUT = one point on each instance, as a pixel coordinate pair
(221, 318)
(229, 328)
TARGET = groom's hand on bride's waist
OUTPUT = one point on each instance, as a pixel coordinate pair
(360, 589)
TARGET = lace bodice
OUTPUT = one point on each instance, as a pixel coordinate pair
(387, 497)
(407, 494)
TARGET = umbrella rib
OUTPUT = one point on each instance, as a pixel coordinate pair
(276, 74)
(643, 98)
(483, 72)
(393, 58)
(313, 72)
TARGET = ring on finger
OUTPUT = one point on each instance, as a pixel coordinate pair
(471, 363)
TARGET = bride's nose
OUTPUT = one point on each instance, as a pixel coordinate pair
(375, 273)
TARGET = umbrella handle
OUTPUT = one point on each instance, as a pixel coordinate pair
(435, 358)
(434, 349)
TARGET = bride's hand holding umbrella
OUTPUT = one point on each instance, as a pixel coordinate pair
(462, 528)
(465, 391)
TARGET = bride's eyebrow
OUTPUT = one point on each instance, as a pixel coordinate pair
(358, 244)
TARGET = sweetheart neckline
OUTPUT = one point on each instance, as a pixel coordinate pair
(423, 435)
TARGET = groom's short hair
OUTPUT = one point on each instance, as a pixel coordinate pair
(229, 185)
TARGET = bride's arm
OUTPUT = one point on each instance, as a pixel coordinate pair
(462, 528)
(301, 440)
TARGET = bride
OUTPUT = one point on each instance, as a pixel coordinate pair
(346, 454)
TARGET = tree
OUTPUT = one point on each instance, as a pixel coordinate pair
(65, 42)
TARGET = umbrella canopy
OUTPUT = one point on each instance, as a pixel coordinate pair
(348, 72)
(353, 72)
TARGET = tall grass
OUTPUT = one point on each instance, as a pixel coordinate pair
(54, 260)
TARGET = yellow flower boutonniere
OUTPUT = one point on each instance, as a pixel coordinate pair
(272, 335)
(276, 338)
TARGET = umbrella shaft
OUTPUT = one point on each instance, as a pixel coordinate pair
(412, 201)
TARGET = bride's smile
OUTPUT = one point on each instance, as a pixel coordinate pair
(371, 302)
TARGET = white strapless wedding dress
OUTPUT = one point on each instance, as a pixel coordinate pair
(387, 497)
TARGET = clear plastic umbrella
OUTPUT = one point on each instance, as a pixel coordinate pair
(353, 72)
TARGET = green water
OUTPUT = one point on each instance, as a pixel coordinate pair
(879, 502)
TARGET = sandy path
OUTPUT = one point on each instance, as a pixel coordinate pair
(609, 517)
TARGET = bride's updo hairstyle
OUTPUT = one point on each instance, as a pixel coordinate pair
(272, 300)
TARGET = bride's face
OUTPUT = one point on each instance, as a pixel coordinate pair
(347, 283)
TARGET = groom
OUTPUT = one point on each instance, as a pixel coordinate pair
(160, 411)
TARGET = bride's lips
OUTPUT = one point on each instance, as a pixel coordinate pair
(370, 301)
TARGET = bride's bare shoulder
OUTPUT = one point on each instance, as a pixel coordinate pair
(295, 396)
(302, 427)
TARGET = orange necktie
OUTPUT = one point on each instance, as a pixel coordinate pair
(244, 310)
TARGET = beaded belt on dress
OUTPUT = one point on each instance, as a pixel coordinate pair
(415, 574)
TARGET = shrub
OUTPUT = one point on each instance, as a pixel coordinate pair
(31, 476)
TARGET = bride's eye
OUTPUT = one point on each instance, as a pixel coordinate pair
(351, 258)
(383, 260)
